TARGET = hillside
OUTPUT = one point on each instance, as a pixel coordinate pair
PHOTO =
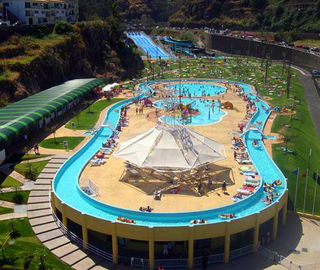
(275, 15)
(31, 63)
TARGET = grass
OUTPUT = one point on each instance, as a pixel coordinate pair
(25, 251)
(5, 210)
(301, 134)
(10, 196)
(88, 118)
(33, 156)
(302, 137)
(34, 167)
(58, 142)
(308, 42)
(8, 181)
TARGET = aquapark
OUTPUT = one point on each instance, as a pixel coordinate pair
(162, 174)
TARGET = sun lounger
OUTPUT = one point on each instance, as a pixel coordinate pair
(244, 191)
(244, 161)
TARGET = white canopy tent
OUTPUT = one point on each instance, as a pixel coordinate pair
(170, 148)
(109, 87)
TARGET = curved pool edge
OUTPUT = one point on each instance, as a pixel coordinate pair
(186, 232)
(150, 215)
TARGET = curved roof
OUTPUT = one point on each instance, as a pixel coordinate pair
(167, 147)
(20, 116)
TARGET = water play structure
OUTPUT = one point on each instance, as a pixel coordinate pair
(88, 216)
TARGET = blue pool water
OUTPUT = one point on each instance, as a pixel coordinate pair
(143, 41)
(65, 183)
(197, 89)
(209, 112)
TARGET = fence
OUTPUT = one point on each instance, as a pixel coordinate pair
(79, 242)
(279, 259)
(166, 263)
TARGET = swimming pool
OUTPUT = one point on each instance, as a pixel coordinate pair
(147, 45)
(197, 89)
(66, 189)
(209, 112)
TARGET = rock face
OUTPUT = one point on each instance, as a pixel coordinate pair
(90, 51)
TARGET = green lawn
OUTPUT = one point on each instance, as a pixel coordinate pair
(302, 137)
(8, 181)
(34, 167)
(33, 156)
(57, 143)
(11, 196)
(301, 134)
(25, 251)
(88, 118)
(5, 210)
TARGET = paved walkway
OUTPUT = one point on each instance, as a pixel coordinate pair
(7, 204)
(47, 230)
(19, 177)
(36, 159)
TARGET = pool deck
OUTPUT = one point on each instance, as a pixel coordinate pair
(113, 191)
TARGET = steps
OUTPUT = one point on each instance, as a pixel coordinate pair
(46, 229)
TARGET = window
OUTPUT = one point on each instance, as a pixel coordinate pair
(36, 11)
(45, 20)
(27, 5)
(46, 6)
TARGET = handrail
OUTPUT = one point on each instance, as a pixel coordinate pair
(76, 239)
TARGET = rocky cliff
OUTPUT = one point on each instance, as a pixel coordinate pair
(87, 49)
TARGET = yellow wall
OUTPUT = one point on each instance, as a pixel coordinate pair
(181, 233)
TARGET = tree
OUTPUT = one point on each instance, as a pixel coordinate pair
(52, 130)
(258, 4)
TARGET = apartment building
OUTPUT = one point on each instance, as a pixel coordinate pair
(32, 12)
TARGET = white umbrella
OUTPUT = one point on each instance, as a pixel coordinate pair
(170, 148)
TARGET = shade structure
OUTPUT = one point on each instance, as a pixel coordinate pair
(109, 87)
(167, 147)
(21, 117)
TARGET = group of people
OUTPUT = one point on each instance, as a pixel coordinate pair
(198, 221)
(125, 220)
(228, 216)
(111, 143)
(240, 153)
(145, 209)
(270, 190)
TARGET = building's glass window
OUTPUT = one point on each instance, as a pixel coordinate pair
(36, 11)
(27, 5)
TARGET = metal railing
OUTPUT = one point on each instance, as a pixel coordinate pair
(171, 263)
(78, 241)
(134, 261)
(240, 252)
(279, 259)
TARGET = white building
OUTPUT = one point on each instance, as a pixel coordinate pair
(33, 12)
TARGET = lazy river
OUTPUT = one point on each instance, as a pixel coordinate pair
(66, 188)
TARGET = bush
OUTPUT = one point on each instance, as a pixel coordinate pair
(18, 198)
(62, 28)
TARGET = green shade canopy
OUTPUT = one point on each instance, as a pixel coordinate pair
(18, 118)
